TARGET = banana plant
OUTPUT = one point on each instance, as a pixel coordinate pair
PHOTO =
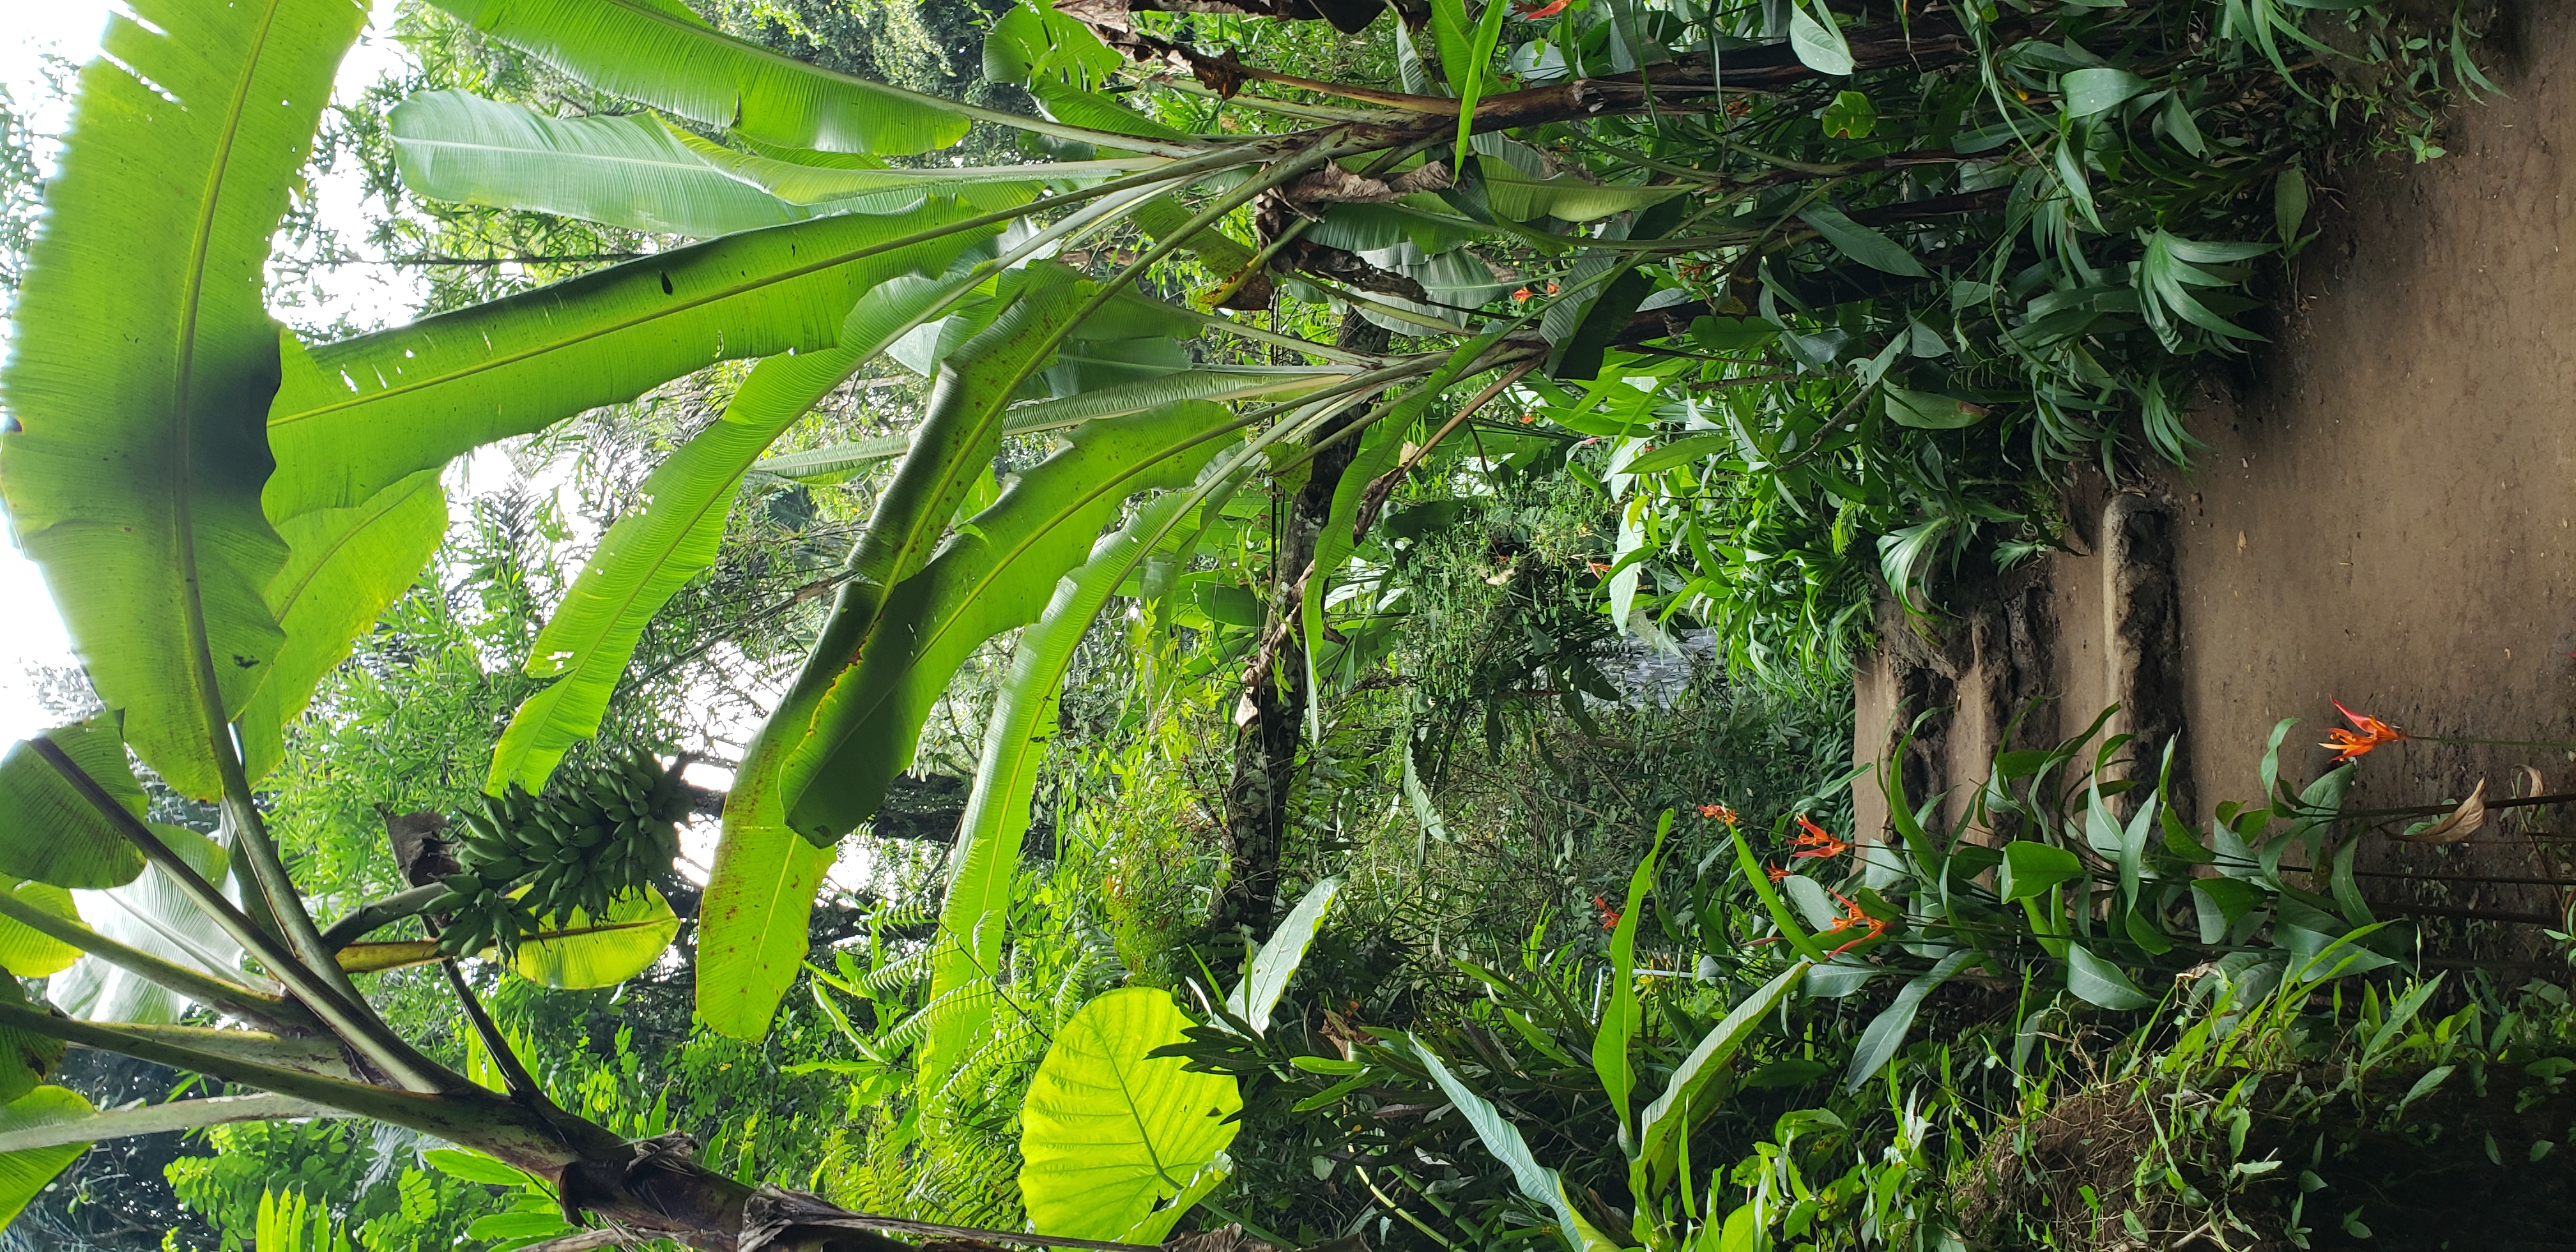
(219, 507)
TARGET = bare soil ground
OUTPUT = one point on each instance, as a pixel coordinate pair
(2387, 515)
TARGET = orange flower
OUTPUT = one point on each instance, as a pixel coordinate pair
(1815, 842)
(1522, 294)
(1854, 917)
(2348, 745)
(1558, 6)
(1528, 418)
(1609, 915)
(1777, 872)
(1718, 812)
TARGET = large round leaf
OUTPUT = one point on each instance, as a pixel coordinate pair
(23, 1174)
(1107, 1132)
(603, 953)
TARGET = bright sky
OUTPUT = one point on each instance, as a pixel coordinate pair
(30, 632)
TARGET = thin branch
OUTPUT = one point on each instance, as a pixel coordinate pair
(1373, 498)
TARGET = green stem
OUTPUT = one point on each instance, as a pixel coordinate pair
(1789, 928)
(356, 1025)
(268, 1010)
(470, 1116)
(378, 914)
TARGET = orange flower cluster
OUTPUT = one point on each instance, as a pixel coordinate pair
(1609, 915)
(2372, 733)
(1815, 841)
(1854, 917)
(1718, 813)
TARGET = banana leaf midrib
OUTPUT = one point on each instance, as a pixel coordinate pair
(210, 697)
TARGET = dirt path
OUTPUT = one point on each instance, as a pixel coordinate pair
(2386, 516)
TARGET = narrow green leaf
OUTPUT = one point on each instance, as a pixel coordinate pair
(2100, 983)
(2031, 868)
(1279, 957)
(834, 182)
(1107, 1131)
(1929, 410)
(1504, 1140)
(142, 357)
(1862, 243)
(1566, 197)
(1885, 1034)
(647, 53)
(2099, 90)
(1480, 54)
(353, 417)
(1819, 45)
(1669, 1117)
(1621, 1020)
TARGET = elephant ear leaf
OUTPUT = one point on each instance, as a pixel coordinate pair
(1110, 1128)
(144, 360)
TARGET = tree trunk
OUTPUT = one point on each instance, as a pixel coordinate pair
(1269, 720)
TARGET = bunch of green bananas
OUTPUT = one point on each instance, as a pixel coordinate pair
(595, 835)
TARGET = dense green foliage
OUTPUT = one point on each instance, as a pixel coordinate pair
(1323, 722)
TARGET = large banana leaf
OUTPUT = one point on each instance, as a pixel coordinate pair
(637, 929)
(26, 951)
(154, 914)
(629, 171)
(985, 857)
(343, 566)
(651, 552)
(663, 56)
(28, 1171)
(1108, 1131)
(49, 832)
(987, 579)
(143, 359)
(353, 417)
(991, 576)
(752, 921)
